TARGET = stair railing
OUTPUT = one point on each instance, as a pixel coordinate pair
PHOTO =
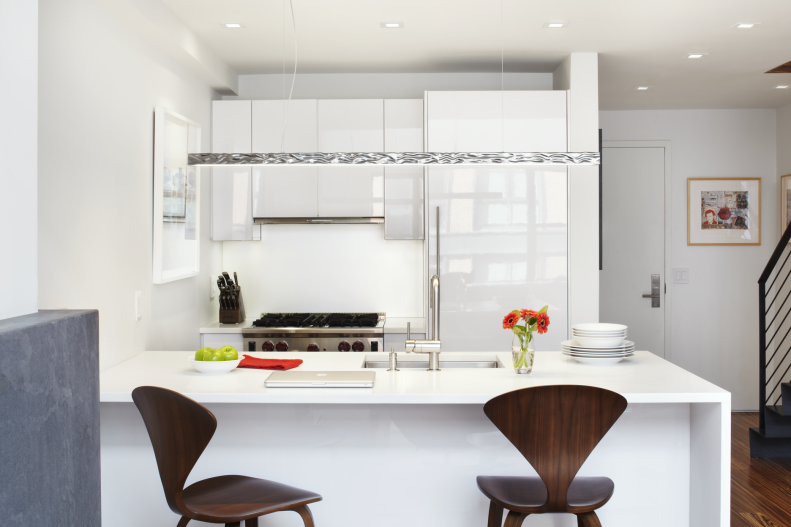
(769, 381)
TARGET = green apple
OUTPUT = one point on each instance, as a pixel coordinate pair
(201, 352)
(229, 353)
(215, 355)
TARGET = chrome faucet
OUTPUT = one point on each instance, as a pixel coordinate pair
(433, 346)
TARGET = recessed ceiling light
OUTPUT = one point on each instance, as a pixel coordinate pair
(782, 87)
(642, 88)
(746, 25)
(696, 55)
(391, 25)
(233, 25)
(555, 24)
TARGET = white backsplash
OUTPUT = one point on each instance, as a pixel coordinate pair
(328, 268)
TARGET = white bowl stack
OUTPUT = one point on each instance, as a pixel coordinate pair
(598, 343)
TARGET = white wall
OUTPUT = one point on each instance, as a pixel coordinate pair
(100, 83)
(784, 140)
(381, 85)
(715, 316)
(18, 150)
(328, 268)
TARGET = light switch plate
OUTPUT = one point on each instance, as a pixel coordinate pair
(212, 287)
(138, 310)
(681, 275)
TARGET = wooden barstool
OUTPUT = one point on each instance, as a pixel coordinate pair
(180, 429)
(555, 428)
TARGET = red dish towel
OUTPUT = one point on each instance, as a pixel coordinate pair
(269, 364)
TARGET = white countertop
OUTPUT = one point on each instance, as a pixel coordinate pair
(645, 378)
(392, 325)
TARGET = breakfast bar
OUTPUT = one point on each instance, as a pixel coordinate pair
(408, 450)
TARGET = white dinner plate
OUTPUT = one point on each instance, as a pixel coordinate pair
(582, 354)
(598, 360)
(575, 344)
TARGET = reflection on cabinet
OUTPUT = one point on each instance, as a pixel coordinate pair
(231, 215)
(351, 192)
(351, 125)
(535, 121)
(403, 125)
(404, 203)
(285, 192)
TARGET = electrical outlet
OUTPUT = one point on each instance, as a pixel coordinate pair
(681, 276)
(138, 309)
(212, 287)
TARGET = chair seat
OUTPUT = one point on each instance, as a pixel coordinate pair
(228, 499)
(521, 494)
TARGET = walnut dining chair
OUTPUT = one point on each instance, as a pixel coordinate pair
(555, 428)
(180, 429)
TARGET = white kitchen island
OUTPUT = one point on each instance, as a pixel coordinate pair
(406, 452)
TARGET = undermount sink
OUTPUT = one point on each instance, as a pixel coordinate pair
(423, 364)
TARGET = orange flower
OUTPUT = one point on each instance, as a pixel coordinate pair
(510, 320)
(528, 313)
(542, 323)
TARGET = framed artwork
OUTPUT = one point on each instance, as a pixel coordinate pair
(176, 198)
(785, 202)
(724, 211)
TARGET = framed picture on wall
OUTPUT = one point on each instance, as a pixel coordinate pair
(785, 202)
(176, 198)
(724, 211)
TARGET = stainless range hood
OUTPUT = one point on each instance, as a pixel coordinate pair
(315, 221)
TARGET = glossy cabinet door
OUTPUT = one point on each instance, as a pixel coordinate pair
(404, 184)
(535, 121)
(231, 202)
(354, 125)
(285, 192)
(464, 121)
(503, 246)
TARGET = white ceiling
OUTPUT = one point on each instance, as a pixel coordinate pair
(640, 42)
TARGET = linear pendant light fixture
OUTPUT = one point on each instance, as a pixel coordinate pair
(388, 158)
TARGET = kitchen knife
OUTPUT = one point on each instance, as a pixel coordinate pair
(222, 293)
(227, 278)
(221, 278)
(236, 279)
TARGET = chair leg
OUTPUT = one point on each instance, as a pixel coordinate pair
(183, 522)
(588, 519)
(234, 524)
(251, 523)
(307, 517)
(515, 519)
(495, 515)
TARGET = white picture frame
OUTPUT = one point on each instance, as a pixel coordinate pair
(724, 211)
(176, 219)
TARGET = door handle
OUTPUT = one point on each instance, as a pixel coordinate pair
(654, 295)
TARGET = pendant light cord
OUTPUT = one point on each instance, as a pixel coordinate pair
(502, 78)
(294, 77)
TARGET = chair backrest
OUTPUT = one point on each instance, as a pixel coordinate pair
(179, 429)
(556, 428)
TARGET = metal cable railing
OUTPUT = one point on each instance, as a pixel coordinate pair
(769, 389)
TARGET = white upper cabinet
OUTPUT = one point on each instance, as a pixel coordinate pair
(351, 125)
(230, 127)
(464, 121)
(285, 192)
(403, 125)
(231, 217)
(535, 121)
(404, 184)
(354, 125)
(511, 121)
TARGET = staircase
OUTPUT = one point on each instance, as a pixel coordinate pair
(772, 438)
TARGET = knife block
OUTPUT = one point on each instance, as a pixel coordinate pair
(233, 316)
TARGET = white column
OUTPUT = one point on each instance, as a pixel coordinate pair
(784, 140)
(19, 144)
(579, 74)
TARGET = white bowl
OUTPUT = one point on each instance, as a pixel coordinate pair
(598, 327)
(593, 334)
(599, 342)
(214, 367)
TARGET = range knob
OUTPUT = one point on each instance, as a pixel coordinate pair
(282, 346)
(344, 346)
(313, 347)
(358, 346)
(268, 346)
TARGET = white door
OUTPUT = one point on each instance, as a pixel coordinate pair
(633, 243)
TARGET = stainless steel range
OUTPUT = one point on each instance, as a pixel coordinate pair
(316, 332)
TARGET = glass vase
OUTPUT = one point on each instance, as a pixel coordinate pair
(523, 353)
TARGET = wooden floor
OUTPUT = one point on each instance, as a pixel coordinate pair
(760, 488)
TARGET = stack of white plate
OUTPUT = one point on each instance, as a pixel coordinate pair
(598, 343)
